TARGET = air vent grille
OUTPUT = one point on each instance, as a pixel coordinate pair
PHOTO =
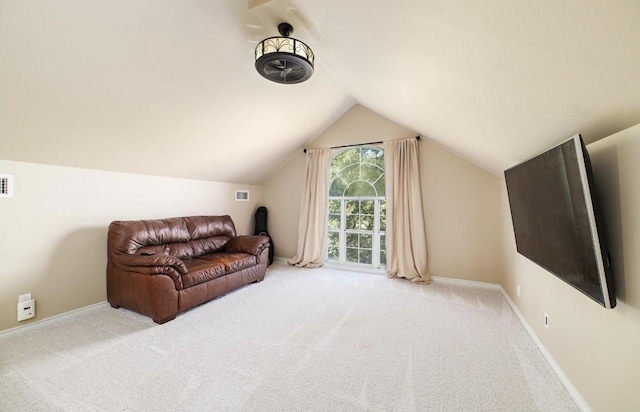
(242, 195)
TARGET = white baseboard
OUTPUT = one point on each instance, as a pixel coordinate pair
(280, 259)
(464, 282)
(354, 268)
(48, 321)
(573, 392)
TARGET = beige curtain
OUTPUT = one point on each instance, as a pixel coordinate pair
(312, 226)
(406, 237)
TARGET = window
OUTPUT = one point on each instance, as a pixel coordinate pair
(357, 208)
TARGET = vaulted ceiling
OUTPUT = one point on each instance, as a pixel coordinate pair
(168, 87)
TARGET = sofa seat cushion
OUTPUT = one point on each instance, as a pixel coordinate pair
(232, 262)
(201, 270)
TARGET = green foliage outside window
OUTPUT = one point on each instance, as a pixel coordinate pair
(358, 172)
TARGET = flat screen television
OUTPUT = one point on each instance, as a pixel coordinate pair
(557, 221)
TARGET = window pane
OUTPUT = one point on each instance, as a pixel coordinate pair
(383, 258)
(383, 242)
(360, 188)
(352, 255)
(352, 240)
(379, 185)
(333, 252)
(334, 221)
(366, 223)
(334, 206)
(337, 187)
(334, 238)
(345, 158)
(352, 207)
(370, 173)
(352, 222)
(365, 256)
(366, 207)
(374, 156)
(383, 216)
(366, 241)
(351, 173)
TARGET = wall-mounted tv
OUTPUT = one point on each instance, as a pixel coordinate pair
(557, 221)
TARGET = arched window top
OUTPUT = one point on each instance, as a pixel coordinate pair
(358, 172)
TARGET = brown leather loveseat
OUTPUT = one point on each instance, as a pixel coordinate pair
(164, 267)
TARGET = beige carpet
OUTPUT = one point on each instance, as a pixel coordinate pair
(302, 340)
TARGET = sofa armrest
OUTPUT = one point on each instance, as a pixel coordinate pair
(253, 245)
(132, 261)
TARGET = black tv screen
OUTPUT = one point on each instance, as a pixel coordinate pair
(556, 218)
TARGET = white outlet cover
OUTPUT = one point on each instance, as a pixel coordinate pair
(26, 309)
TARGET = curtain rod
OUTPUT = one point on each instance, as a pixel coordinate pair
(358, 144)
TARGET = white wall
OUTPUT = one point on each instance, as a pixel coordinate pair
(598, 349)
(461, 201)
(53, 231)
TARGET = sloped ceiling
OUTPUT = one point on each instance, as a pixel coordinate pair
(168, 87)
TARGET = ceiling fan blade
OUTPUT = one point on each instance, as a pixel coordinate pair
(277, 64)
(270, 72)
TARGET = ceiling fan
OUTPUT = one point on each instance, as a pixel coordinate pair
(284, 59)
(279, 58)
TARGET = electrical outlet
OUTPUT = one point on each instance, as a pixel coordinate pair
(6, 185)
(518, 289)
(546, 320)
(26, 309)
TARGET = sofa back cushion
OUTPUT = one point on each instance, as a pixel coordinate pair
(182, 237)
(209, 245)
(202, 227)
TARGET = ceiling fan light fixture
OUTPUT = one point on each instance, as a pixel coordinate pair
(283, 59)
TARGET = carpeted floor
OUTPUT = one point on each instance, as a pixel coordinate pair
(302, 340)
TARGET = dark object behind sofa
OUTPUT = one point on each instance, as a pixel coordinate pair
(164, 267)
(261, 229)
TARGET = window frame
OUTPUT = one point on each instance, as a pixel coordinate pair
(378, 236)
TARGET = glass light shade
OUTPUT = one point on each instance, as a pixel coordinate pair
(284, 59)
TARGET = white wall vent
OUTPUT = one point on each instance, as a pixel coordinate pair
(6, 185)
(242, 195)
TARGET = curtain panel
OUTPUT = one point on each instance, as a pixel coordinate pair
(312, 226)
(406, 237)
